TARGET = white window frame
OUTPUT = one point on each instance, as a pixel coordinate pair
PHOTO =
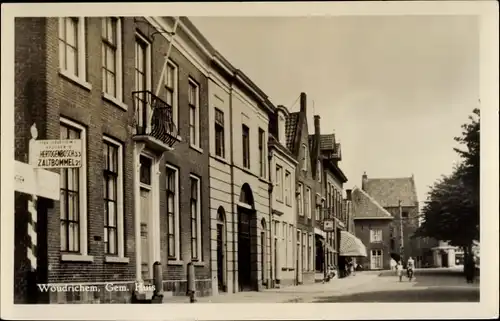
(83, 255)
(175, 94)
(81, 73)
(176, 215)
(300, 204)
(288, 187)
(118, 98)
(311, 252)
(279, 183)
(304, 157)
(372, 261)
(119, 200)
(148, 72)
(262, 153)
(376, 235)
(284, 241)
(198, 218)
(196, 121)
(307, 209)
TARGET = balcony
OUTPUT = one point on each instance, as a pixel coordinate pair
(153, 122)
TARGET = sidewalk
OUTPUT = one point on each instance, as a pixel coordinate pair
(288, 294)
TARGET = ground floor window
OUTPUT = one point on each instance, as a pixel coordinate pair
(376, 259)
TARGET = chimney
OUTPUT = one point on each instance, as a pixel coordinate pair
(348, 193)
(317, 131)
(364, 178)
(303, 102)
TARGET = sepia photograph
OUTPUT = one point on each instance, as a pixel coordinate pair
(187, 158)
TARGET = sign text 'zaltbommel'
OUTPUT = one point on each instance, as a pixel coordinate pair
(58, 153)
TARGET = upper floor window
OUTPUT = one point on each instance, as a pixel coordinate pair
(262, 153)
(375, 235)
(279, 183)
(171, 84)
(72, 61)
(288, 188)
(195, 219)
(219, 133)
(300, 201)
(112, 58)
(307, 203)
(246, 146)
(194, 113)
(304, 157)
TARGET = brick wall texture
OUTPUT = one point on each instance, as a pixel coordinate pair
(42, 95)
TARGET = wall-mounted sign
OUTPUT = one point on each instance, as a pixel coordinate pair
(57, 153)
(328, 225)
(39, 182)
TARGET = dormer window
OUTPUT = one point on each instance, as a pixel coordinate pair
(281, 128)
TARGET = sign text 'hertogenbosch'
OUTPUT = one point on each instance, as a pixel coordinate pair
(57, 153)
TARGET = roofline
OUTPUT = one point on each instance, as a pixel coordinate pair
(374, 202)
(337, 170)
(282, 150)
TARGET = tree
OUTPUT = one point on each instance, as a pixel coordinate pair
(451, 212)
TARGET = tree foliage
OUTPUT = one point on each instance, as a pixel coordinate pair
(451, 212)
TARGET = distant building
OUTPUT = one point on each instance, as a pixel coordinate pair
(373, 226)
(399, 197)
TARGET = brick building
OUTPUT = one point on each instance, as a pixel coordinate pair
(297, 136)
(373, 226)
(121, 211)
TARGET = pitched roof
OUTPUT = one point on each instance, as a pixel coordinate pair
(364, 206)
(327, 142)
(291, 129)
(389, 191)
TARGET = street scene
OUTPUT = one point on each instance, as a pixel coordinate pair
(195, 160)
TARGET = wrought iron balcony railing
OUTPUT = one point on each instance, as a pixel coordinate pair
(154, 117)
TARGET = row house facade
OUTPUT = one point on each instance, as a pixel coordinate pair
(239, 180)
(142, 193)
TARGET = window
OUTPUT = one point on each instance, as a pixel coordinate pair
(112, 57)
(284, 240)
(246, 146)
(262, 153)
(375, 235)
(195, 219)
(376, 262)
(194, 110)
(142, 78)
(311, 253)
(172, 212)
(281, 129)
(113, 197)
(279, 183)
(304, 252)
(319, 171)
(72, 47)
(73, 201)
(171, 83)
(300, 201)
(219, 133)
(405, 214)
(288, 188)
(304, 157)
(307, 203)
(317, 213)
(290, 245)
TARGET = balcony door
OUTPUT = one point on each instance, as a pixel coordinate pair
(142, 81)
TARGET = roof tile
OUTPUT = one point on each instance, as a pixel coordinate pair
(388, 191)
(364, 206)
(291, 129)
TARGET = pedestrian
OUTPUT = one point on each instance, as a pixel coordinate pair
(469, 268)
(393, 265)
(399, 269)
(353, 270)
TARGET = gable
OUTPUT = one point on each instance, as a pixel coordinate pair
(365, 207)
(389, 191)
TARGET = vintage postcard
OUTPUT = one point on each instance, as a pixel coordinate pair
(250, 160)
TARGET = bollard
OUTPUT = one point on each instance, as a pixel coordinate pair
(191, 286)
(158, 282)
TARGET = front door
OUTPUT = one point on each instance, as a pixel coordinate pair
(244, 252)
(145, 235)
(220, 258)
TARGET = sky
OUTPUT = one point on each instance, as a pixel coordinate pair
(394, 89)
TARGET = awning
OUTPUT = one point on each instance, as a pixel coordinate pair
(328, 246)
(350, 245)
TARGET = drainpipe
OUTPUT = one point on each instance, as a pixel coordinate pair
(231, 161)
(271, 235)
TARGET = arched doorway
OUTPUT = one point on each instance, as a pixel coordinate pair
(246, 214)
(221, 250)
(263, 254)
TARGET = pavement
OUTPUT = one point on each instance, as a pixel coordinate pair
(429, 285)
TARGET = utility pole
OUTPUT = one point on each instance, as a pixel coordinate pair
(401, 236)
